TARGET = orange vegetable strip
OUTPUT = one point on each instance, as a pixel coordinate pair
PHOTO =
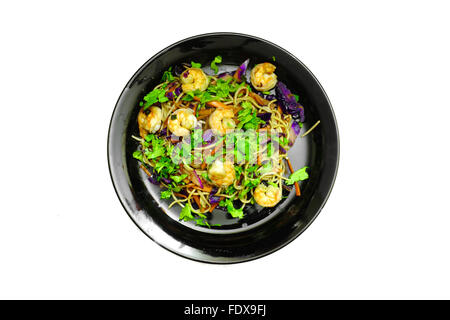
(197, 201)
(297, 187)
(219, 146)
(180, 195)
(258, 98)
(145, 170)
(215, 205)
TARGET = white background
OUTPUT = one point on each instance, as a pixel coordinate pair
(384, 232)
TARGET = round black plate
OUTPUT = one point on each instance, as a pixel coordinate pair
(261, 231)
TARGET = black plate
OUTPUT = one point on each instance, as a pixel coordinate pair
(262, 231)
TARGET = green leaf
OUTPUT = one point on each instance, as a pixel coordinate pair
(202, 222)
(205, 97)
(180, 178)
(156, 95)
(138, 155)
(186, 214)
(235, 213)
(195, 64)
(167, 76)
(298, 175)
(166, 194)
(217, 59)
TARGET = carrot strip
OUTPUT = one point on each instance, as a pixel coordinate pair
(203, 166)
(203, 116)
(218, 104)
(279, 110)
(205, 112)
(205, 188)
(195, 108)
(258, 98)
(297, 187)
(216, 148)
(145, 170)
(197, 201)
(215, 104)
(180, 195)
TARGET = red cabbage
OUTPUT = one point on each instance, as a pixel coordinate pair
(178, 91)
(288, 103)
(294, 131)
(153, 180)
(200, 184)
(208, 135)
(214, 199)
(265, 116)
(225, 75)
(241, 70)
(166, 180)
(178, 69)
(169, 94)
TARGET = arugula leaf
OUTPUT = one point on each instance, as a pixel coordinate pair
(202, 222)
(156, 95)
(217, 59)
(157, 147)
(235, 213)
(205, 97)
(298, 175)
(252, 183)
(186, 213)
(166, 194)
(167, 75)
(180, 178)
(195, 64)
(158, 151)
(248, 118)
(138, 155)
(238, 171)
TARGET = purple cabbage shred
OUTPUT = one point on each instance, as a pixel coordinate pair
(288, 103)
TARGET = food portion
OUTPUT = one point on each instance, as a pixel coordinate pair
(221, 140)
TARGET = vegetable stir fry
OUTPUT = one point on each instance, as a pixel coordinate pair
(220, 141)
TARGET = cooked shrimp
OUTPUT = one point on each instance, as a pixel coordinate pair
(194, 79)
(263, 76)
(267, 196)
(149, 120)
(221, 121)
(221, 173)
(181, 122)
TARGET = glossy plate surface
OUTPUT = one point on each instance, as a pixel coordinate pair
(261, 231)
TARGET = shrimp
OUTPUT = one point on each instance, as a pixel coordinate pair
(267, 196)
(221, 121)
(221, 173)
(263, 76)
(194, 79)
(181, 122)
(149, 120)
